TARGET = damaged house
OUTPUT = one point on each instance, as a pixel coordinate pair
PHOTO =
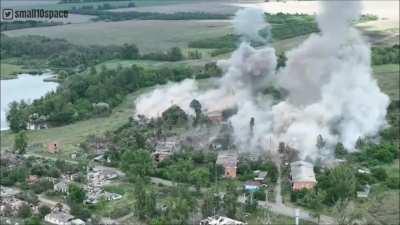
(164, 149)
(302, 175)
(228, 160)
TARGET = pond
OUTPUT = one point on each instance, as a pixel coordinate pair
(25, 87)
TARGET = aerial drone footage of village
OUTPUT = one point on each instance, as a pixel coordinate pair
(200, 112)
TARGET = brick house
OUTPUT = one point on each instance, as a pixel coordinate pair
(228, 161)
(302, 175)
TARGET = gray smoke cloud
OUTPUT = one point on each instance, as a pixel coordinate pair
(248, 23)
(331, 91)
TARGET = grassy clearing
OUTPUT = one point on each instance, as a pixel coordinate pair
(71, 135)
(149, 35)
(10, 71)
(388, 79)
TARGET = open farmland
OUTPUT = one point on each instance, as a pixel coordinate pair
(147, 35)
(200, 6)
(53, 4)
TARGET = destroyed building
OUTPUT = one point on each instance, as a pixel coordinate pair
(228, 160)
(302, 175)
(164, 149)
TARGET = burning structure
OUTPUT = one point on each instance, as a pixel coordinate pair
(330, 90)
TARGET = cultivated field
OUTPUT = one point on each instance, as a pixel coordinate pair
(222, 7)
(53, 4)
(148, 35)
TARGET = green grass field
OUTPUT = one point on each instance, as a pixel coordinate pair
(147, 35)
(53, 4)
(388, 79)
(10, 71)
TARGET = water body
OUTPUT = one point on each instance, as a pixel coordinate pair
(26, 87)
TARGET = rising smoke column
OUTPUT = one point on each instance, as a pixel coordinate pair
(328, 77)
(331, 89)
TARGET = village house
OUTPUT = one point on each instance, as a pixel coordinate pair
(59, 216)
(163, 150)
(61, 186)
(220, 220)
(302, 175)
(100, 175)
(228, 160)
(260, 176)
(96, 194)
(252, 186)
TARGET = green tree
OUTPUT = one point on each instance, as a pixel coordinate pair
(339, 183)
(379, 173)
(44, 210)
(230, 202)
(76, 194)
(196, 106)
(20, 142)
(340, 151)
(175, 54)
(200, 177)
(130, 51)
(24, 211)
(136, 163)
(145, 200)
(211, 203)
(32, 221)
(174, 115)
(18, 116)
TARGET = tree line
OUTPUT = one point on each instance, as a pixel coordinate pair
(15, 25)
(386, 55)
(120, 16)
(86, 1)
(62, 54)
(95, 93)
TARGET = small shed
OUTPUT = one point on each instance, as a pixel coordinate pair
(53, 147)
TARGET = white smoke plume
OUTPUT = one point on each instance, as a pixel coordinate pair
(331, 91)
(248, 22)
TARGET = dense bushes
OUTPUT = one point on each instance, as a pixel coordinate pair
(386, 55)
(291, 25)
